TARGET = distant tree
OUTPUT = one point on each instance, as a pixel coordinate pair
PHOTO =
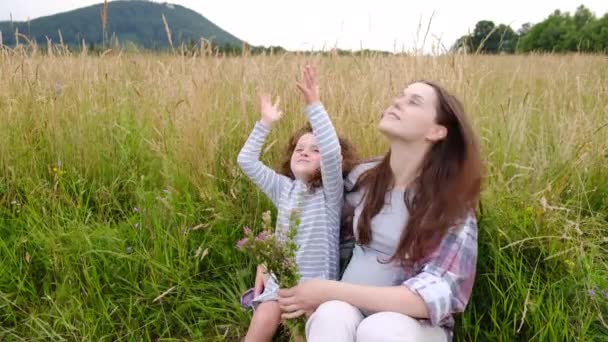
(554, 34)
(588, 33)
(463, 43)
(482, 35)
(488, 38)
(582, 17)
(507, 39)
(595, 35)
(525, 28)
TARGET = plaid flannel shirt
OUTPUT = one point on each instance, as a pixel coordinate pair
(445, 280)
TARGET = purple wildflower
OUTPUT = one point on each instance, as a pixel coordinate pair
(591, 292)
(247, 231)
(606, 294)
(136, 209)
(241, 243)
(263, 236)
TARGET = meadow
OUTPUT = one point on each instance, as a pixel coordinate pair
(121, 201)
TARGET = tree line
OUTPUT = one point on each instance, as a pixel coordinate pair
(560, 32)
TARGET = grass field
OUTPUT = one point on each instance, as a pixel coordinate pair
(121, 201)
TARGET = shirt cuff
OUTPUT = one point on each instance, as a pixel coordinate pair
(435, 293)
(314, 107)
(260, 126)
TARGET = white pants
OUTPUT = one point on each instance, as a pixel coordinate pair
(337, 321)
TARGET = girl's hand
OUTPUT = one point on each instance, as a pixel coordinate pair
(270, 112)
(309, 85)
(261, 276)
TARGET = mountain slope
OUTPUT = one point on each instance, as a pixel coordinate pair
(139, 22)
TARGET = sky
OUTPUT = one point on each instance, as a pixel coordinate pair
(391, 25)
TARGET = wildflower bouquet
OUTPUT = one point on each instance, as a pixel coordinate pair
(277, 252)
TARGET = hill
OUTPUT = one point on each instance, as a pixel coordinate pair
(139, 22)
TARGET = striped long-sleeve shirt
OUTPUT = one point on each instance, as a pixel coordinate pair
(318, 233)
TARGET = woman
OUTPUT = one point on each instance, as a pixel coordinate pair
(414, 264)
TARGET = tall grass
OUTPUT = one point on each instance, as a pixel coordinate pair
(120, 200)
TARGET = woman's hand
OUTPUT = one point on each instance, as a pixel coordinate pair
(309, 85)
(304, 298)
(270, 112)
(261, 276)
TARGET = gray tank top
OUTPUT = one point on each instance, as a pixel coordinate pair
(368, 265)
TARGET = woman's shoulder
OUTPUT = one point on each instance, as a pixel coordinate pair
(357, 171)
(463, 232)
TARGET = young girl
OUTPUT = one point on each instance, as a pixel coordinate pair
(311, 177)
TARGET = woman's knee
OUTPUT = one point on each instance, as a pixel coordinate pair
(333, 320)
(391, 326)
(334, 309)
(335, 313)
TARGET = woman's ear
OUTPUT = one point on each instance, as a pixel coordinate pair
(436, 133)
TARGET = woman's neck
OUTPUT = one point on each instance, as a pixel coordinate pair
(406, 161)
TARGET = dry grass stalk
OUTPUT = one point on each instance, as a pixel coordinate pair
(168, 30)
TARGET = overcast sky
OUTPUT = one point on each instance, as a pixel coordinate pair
(349, 24)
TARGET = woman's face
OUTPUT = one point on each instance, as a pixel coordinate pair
(412, 116)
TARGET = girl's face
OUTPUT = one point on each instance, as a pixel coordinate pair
(412, 116)
(305, 159)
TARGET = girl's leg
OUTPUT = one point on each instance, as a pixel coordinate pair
(265, 322)
(392, 326)
(333, 321)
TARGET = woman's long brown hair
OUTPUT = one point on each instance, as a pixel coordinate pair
(445, 192)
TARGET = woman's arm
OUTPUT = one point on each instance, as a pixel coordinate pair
(446, 281)
(308, 296)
